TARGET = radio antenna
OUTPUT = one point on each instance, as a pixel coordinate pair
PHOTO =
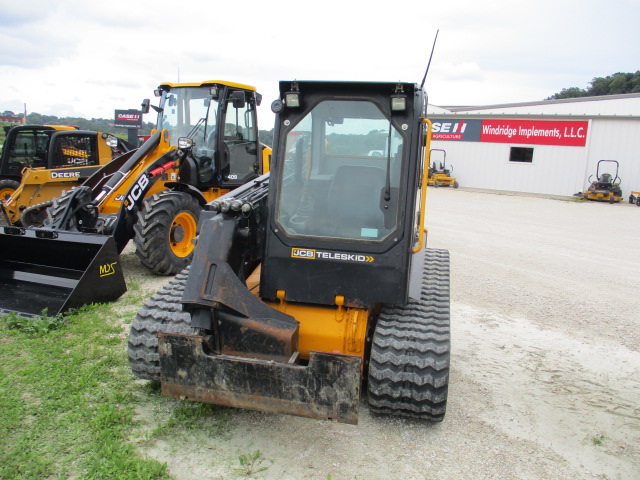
(430, 57)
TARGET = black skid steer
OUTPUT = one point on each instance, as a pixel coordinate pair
(347, 298)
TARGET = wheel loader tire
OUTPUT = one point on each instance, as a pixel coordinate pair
(456, 184)
(59, 206)
(410, 352)
(161, 313)
(7, 187)
(164, 232)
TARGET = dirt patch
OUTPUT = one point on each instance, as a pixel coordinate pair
(545, 379)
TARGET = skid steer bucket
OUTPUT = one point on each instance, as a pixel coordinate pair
(49, 272)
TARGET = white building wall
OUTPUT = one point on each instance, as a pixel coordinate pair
(554, 170)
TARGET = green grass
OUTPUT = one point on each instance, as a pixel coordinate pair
(68, 400)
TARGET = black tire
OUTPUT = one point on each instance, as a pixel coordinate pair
(7, 187)
(35, 215)
(436, 184)
(158, 236)
(410, 351)
(456, 184)
(161, 313)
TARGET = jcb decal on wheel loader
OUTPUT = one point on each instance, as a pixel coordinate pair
(310, 336)
(206, 144)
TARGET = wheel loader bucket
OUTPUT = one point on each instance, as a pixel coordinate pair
(49, 272)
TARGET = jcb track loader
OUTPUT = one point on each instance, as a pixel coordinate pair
(40, 163)
(349, 298)
(604, 188)
(439, 174)
(206, 144)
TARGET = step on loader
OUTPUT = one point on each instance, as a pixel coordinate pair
(206, 144)
(40, 163)
(347, 299)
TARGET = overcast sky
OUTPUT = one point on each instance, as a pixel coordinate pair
(88, 58)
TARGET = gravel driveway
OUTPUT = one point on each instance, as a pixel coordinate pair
(545, 379)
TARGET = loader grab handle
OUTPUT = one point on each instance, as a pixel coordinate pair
(423, 180)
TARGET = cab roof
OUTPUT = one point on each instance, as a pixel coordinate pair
(209, 83)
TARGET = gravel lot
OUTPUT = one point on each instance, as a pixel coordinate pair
(545, 379)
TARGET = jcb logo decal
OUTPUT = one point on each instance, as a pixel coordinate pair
(303, 253)
(137, 191)
(108, 269)
(322, 255)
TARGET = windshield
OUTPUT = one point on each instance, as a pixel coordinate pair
(189, 112)
(341, 173)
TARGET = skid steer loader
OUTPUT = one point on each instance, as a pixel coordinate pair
(206, 144)
(347, 294)
(24, 146)
(41, 162)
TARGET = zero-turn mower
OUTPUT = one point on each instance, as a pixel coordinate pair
(634, 197)
(440, 176)
(604, 188)
(206, 144)
(348, 301)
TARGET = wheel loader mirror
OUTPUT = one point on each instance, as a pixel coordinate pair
(237, 98)
(335, 121)
(258, 98)
(145, 105)
(213, 91)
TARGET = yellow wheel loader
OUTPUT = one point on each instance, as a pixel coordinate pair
(347, 303)
(440, 176)
(41, 162)
(206, 144)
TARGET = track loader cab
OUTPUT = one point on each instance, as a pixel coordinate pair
(347, 297)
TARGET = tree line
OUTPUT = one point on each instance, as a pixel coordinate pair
(615, 84)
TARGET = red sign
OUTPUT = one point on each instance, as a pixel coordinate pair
(535, 132)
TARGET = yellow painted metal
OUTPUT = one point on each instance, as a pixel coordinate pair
(209, 83)
(327, 329)
(5, 193)
(423, 183)
(182, 231)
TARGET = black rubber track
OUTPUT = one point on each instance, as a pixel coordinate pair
(152, 231)
(409, 362)
(161, 313)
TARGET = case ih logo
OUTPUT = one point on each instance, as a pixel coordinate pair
(312, 254)
(128, 119)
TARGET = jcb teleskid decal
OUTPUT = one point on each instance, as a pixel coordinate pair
(312, 254)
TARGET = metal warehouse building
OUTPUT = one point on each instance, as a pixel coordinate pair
(548, 147)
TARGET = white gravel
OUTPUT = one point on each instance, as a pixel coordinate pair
(545, 379)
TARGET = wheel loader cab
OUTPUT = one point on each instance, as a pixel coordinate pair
(336, 207)
(214, 114)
